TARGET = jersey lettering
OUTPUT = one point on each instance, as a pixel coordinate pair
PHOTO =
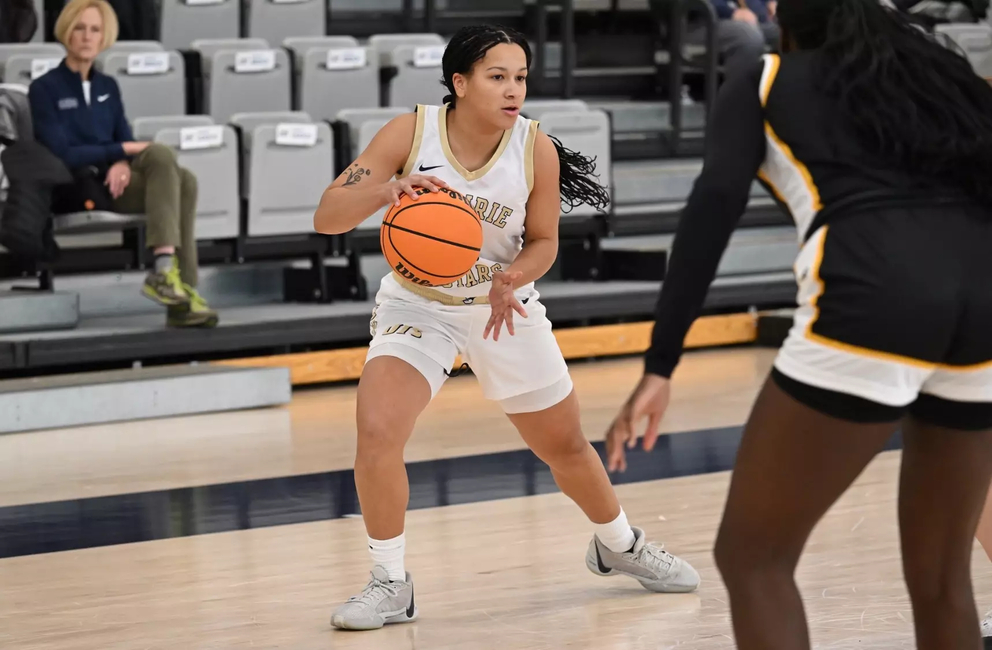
(404, 329)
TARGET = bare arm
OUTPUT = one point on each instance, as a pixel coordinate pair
(543, 214)
(367, 185)
(540, 240)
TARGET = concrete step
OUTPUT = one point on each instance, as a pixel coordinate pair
(36, 311)
(82, 399)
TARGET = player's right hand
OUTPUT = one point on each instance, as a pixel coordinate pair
(650, 400)
(396, 189)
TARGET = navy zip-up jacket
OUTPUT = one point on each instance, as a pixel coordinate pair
(726, 8)
(80, 135)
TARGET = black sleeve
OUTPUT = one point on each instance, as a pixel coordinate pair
(735, 149)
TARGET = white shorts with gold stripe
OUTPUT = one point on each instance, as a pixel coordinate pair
(525, 372)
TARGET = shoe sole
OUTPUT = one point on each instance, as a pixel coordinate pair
(340, 623)
(591, 564)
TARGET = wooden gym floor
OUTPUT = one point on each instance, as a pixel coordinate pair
(251, 538)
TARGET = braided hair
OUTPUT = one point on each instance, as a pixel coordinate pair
(469, 46)
(914, 102)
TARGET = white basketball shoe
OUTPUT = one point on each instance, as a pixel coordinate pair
(651, 565)
(382, 602)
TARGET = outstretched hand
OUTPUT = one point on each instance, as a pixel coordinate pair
(503, 304)
(650, 400)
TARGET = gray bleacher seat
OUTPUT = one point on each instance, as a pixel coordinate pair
(284, 182)
(975, 39)
(182, 22)
(587, 132)
(132, 46)
(536, 108)
(277, 21)
(242, 75)
(330, 76)
(363, 124)
(18, 59)
(145, 128)
(152, 82)
(418, 78)
(77, 222)
(214, 162)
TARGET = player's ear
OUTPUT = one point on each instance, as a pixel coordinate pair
(460, 83)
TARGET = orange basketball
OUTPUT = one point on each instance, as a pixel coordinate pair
(434, 240)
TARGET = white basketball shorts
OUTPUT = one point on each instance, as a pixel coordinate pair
(525, 372)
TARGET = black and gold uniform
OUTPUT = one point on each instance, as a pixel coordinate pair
(894, 272)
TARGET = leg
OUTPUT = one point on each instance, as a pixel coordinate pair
(984, 533)
(198, 312)
(408, 356)
(555, 436)
(554, 433)
(793, 464)
(154, 191)
(944, 483)
(188, 193)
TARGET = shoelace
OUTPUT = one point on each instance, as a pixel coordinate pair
(373, 593)
(658, 556)
(194, 296)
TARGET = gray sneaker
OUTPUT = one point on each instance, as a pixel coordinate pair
(381, 602)
(649, 564)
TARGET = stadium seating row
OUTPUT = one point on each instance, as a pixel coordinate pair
(282, 162)
(329, 74)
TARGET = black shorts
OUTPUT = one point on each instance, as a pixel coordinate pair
(895, 310)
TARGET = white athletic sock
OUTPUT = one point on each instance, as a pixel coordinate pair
(389, 555)
(616, 535)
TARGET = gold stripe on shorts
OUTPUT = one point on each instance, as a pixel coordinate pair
(440, 296)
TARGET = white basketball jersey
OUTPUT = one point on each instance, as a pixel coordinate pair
(498, 191)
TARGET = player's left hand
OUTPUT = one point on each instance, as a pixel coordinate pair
(503, 304)
(650, 400)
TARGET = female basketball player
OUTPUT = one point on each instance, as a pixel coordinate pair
(879, 143)
(517, 178)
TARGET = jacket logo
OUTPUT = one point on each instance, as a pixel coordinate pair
(68, 104)
(103, 98)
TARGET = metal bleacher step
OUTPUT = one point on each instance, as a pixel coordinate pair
(640, 117)
(138, 394)
(37, 311)
(751, 251)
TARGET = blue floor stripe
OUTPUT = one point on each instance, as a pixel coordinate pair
(128, 518)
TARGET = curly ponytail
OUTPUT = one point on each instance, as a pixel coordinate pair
(577, 186)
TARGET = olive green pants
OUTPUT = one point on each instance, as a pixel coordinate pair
(166, 194)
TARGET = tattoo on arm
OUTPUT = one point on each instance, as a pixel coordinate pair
(355, 175)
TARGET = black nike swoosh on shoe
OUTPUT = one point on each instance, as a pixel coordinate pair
(599, 561)
(427, 169)
(411, 608)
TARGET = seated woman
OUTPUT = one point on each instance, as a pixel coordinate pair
(78, 114)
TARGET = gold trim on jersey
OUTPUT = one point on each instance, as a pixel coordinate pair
(442, 125)
(439, 296)
(418, 138)
(529, 156)
(772, 64)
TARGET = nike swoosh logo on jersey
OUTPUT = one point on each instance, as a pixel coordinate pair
(427, 169)
(103, 98)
